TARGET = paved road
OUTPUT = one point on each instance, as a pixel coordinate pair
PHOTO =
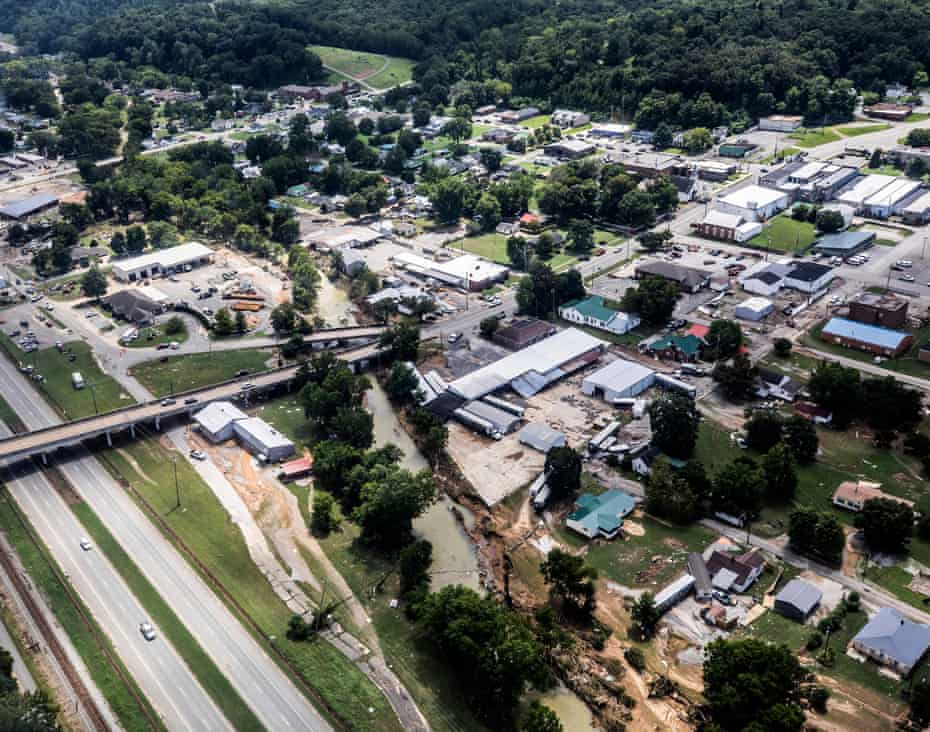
(259, 681)
(156, 666)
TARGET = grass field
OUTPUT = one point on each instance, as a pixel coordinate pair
(155, 335)
(493, 246)
(46, 575)
(72, 403)
(160, 612)
(884, 170)
(205, 528)
(814, 137)
(381, 72)
(855, 131)
(172, 374)
(785, 234)
(535, 122)
(783, 153)
(907, 363)
(917, 117)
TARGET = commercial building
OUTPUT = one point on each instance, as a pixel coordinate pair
(844, 244)
(917, 211)
(522, 333)
(888, 110)
(494, 420)
(853, 494)
(620, 379)
(754, 309)
(780, 123)
(753, 203)
(512, 116)
(765, 283)
(600, 515)
(594, 313)
(871, 338)
(25, 207)
(809, 277)
(609, 130)
(892, 640)
(714, 170)
(887, 311)
(133, 307)
(541, 437)
(891, 199)
(162, 261)
(531, 369)
(262, 439)
(727, 227)
(798, 600)
(863, 188)
(468, 271)
(571, 149)
(650, 165)
(688, 279)
(569, 118)
(330, 238)
(738, 149)
(217, 419)
(809, 181)
(350, 261)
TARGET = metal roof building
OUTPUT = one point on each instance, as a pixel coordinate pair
(893, 640)
(263, 439)
(541, 437)
(216, 420)
(844, 244)
(755, 308)
(863, 188)
(620, 379)
(797, 600)
(533, 368)
(161, 261)
(881, 341)
(28, 206)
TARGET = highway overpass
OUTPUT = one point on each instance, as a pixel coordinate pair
(43, 441)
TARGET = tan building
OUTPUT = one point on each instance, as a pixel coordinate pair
(852, 494)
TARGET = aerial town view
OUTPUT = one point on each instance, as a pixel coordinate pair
(465, 367)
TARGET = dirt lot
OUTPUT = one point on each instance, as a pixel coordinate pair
(498, 468)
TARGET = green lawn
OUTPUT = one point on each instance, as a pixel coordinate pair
(205, 528)
(630, 338)
(784, 234)
(92, 646)
(381, 72)
(884, 170)
(155, 335)
(171, 374)
(287, 416)
(534, 122)
(906, 363)
(72, 403)
(917, 117)
(845, 457)
(629, 561)
(491, 246)
(783, 153)
(160, 612)
(814, 137)
(855, 131)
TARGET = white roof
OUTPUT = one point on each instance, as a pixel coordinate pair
(620, 375)
(153, 293)
(864, 187)
(721, 219)
(809, 170)
(262, 432)
(753, 197)
(164, 258)
(541, 357)
(919, 205)
(468, 266)
(893, 192)
(756, 304)
(337, 236)
(217, 415)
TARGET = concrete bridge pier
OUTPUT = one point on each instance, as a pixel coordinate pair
(132, 431)
(158, 423)
(109, 439)
(45, 458)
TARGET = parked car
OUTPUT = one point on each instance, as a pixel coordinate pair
(168, 402)
(198, 454)
(723, 597)
(191, 400)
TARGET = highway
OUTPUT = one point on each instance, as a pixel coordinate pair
(271, 695)
(165, 680)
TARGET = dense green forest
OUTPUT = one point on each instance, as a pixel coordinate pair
(684, 62)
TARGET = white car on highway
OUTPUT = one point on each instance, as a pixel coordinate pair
(148, 632)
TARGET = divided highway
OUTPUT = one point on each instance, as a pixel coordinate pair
(267, 690)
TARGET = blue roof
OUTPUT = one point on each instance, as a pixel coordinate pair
(895, 636)
(864, 333)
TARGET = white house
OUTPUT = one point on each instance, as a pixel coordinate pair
(594, 313)
(569, 118)
(753, 203)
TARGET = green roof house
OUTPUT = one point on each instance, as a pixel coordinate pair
(593, 312)
(677, 348)
(600, 515)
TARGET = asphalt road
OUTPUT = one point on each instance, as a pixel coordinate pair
(165, 680)
(256, 677)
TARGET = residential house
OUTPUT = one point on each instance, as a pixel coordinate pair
(686, 186)
(686, 348)
(600, 515)
(731, 571)
(773, 384)
(892, 640)
(853, 494)
(593, 312)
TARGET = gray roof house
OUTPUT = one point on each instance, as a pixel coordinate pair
(893, 641)
(797, 600)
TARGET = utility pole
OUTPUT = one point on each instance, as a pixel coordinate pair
(177, 485)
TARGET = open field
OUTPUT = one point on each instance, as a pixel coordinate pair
(855, 131)
(160, 612)
(171, 374)
(814, 137)
(533, 123)
(381, 72)
(155, 335)
(493, 246)
(205, 528)
(72, 403)
(785, 234)
(84, 633)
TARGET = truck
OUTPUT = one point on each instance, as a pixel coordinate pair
(77, 380)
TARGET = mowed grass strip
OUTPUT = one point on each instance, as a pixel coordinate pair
(173, 374)
(205, 528)
(785, 234)
(377, 70)
(208, 674)
(86, 636)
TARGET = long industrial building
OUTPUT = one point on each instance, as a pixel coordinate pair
(162, 261)
(468, 271)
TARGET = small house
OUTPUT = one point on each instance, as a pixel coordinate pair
(893, 641)
(600, 515)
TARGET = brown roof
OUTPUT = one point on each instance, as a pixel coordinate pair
(740, 564)
(863, 490)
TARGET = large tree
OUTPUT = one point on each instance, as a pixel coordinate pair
(669, 495)
(391, 498)
(654, 300)
(571, 582)
(817, 534)
(563, 471)
(886, 524)
(738, 488)
(724, 338)
(675, 422)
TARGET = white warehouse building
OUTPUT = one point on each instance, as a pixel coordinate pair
(162, 261)
(755, 308)
(261, 438)
(216, 420)
(891, 199)
(620, 379)
(753, 203)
